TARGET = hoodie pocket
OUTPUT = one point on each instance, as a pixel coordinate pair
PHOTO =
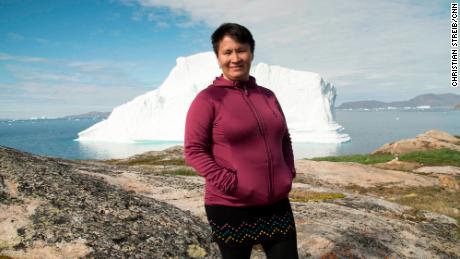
(225, 163)
(283, 180)
(243, 191)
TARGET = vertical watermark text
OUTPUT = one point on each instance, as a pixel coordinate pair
(454, 44)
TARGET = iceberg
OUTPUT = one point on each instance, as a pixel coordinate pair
(159, 115)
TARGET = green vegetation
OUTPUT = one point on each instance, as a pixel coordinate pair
(431, 157)
(157, 160)
(362, 159)
(152, 161)
(181, 171)
(301, 195)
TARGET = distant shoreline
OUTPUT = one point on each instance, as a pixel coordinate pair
(448, 100)
(418, 108)
(390, 108)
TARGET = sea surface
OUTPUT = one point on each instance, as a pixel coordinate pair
(368, 131)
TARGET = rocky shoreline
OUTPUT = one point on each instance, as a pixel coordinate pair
(142, 207)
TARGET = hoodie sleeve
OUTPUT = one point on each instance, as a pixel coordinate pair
(287, 145)
(197, 145)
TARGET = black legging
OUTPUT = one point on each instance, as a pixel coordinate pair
(284, 249)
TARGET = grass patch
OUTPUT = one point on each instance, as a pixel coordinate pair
(305, 196)
(362, 159)
(433, 157)
(181, 171)
(158, 160)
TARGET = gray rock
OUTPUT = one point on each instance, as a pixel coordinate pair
(113, 222)
(448, 170)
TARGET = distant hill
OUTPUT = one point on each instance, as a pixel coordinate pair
(88, 115)
(433, 100)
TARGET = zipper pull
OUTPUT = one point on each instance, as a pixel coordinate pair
(246, 90)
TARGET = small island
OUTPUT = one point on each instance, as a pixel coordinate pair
(422, 101)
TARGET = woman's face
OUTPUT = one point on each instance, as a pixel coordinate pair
(234, 59)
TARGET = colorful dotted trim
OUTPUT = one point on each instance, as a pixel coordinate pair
(258, 230)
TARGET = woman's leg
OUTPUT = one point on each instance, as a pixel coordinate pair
(229, 252)
(282, 249)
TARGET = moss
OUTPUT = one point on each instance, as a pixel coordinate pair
(147, 160)
(163, 160)
(181, 171)
(9, 244)
(362, 159)
(414, 214)
(4, 245)
(196, 251)
(305, 196)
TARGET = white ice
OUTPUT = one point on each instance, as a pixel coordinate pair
(306, 98)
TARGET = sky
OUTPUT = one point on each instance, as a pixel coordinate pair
(68, 57)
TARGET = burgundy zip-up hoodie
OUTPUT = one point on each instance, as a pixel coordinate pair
(236, 137)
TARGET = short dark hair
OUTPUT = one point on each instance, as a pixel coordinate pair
(237, 32)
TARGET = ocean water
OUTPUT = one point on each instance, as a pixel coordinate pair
(368, 130)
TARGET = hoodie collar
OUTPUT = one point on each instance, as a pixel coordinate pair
(222, 82)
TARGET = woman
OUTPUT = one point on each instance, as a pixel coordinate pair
(236, 137)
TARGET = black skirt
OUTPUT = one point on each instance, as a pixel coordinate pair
(242, 226)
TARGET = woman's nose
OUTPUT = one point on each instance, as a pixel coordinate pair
(235, 57)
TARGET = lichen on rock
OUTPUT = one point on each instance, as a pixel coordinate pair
(109, 221)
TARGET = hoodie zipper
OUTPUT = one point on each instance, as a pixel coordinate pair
(261, 126)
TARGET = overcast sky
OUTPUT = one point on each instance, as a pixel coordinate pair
(69, 57)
